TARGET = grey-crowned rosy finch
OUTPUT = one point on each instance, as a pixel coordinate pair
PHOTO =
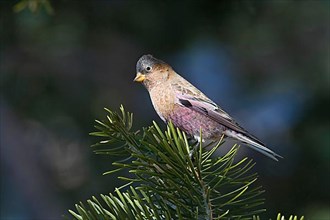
(178, 101)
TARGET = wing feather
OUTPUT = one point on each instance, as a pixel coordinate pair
(212, 110)
(190, 97)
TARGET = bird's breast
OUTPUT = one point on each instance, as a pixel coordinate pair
(188, 120)
(163, 100)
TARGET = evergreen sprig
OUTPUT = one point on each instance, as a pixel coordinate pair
(170, 176)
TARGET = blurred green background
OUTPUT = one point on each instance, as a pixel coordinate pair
(61, 62)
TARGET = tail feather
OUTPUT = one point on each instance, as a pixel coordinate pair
(254, 145)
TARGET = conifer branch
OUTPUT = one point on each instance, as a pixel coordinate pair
(172, 178)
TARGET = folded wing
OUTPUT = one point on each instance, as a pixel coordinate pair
(205, 106)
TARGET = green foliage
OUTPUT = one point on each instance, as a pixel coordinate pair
(33, 6)
(281, 217)
(170, 177)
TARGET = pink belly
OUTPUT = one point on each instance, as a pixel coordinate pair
(191, 122)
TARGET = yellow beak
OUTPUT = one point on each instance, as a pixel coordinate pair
(139, 77)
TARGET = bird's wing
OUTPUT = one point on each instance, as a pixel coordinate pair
(206, 107)
(210, 109)
(188, 96)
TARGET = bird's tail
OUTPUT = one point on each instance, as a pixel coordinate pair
(255, 144)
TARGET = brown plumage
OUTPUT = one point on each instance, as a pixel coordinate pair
(176, 100)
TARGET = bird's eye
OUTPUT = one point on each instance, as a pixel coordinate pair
(148, 68)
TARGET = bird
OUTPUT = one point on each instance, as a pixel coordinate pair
(176, 100)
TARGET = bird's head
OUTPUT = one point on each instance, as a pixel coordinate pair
(151, 71)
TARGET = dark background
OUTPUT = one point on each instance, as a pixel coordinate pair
(264, 62)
